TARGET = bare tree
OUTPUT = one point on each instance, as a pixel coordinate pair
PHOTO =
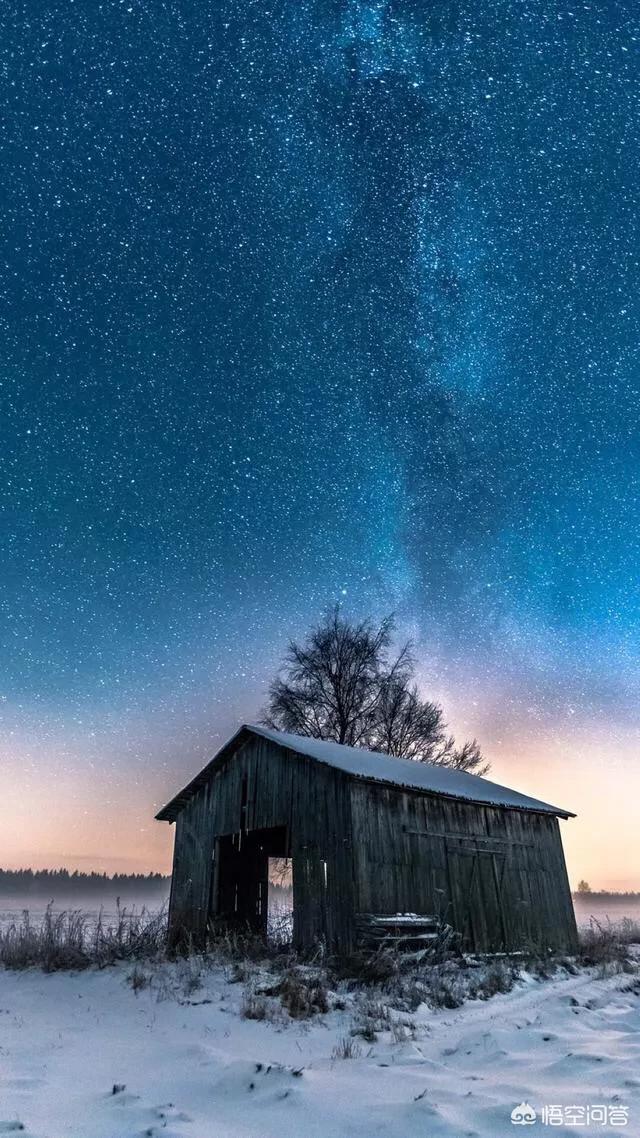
(341, 684)
(410, 727)
(330, 684)
(406, 726)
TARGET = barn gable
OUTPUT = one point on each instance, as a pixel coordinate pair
(371, 765)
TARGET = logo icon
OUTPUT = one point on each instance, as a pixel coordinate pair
(523, 1115)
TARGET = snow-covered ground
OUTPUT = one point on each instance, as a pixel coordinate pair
(185, 1063)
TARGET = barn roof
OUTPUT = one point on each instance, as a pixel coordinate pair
(372, 767)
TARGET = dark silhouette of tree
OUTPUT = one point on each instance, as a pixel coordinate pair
(342, 683)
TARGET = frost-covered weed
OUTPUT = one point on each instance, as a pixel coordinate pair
(259, 1006)
(303, 992)
(73, 940)
(608, 945)
(347, 1048)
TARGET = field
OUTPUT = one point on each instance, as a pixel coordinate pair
(13, 908)
(169, 1053)
(614, 907)
(205, 1048)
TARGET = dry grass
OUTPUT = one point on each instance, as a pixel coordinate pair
(260, 1006)
(347, 1048)
(73, 940)
(138, 979)
(374, 1016)
(383, 985)
(303, 992)
(450, 984)
(231, 946)
(371, 1017)
(607, 945)
(297, 992)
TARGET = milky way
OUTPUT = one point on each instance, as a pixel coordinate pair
(305, 302)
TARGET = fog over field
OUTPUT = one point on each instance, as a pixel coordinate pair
(604, 907)
(609, 906)
(32, 891)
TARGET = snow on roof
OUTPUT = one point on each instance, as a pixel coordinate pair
(402, 772)
(376, 767)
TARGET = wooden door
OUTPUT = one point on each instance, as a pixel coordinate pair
(477, 881)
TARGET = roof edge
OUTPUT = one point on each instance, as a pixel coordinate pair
(170, 811)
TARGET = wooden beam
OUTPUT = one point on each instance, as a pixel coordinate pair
(449, 836)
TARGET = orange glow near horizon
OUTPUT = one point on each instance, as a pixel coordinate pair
(103, 819)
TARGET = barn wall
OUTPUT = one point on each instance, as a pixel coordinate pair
(497, 876)
(282, 789)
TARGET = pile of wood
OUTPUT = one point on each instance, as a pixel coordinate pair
(400, 931)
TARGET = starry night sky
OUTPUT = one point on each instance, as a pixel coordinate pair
(305, 302)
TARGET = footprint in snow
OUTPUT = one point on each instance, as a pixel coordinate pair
(168, 1113)
(159, 1130)
(150, 1121)
(259, 1080)
(123, 1097)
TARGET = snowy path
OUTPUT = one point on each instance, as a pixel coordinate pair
(199, 1070)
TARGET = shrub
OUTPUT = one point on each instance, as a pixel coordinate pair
(403, 1030)
(280, 926)
(498, 977)
(376, 1015)
(303, 992)
(189, 974)
(408, 993)
(138, 979)
(371, 1017)
(259, 1006)
(227, 945)
(450, 984)
(446, 988)
(368, 967)
(629, 931)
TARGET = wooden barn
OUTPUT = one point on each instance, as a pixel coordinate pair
(368, 836)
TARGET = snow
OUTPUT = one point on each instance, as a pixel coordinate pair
(401, 772)
(182, 1061)
(402, 919)
(372, 765)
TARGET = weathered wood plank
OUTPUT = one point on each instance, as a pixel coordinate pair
(498, 873)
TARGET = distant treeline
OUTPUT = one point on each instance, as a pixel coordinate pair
(60, 883)
(607, 895)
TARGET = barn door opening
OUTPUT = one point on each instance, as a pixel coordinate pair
(240, 880)
(280, 901)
